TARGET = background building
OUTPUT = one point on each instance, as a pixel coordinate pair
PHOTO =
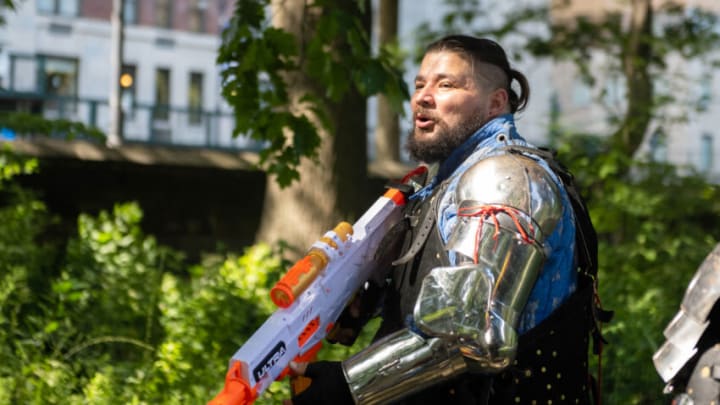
(55, 60)
(683, 132)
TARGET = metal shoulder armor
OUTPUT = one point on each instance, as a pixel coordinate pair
(507, 206)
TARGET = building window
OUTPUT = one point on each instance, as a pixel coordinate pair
(163, 13)
(67, 8)
(58, 80)
(130, 12)
(613, 93)
(658, 146)
(127, 91)
(706, 153)
(705, 92)
(161, 112)
(196, 21)
(581, 93)
(195, 96)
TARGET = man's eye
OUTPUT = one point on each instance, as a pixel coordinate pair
(419, 86)
(446, 84)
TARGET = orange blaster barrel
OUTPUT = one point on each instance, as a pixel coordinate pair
(310, 298)
(302, 273)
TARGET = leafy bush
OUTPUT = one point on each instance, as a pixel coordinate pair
(112, 317)
(653, 234)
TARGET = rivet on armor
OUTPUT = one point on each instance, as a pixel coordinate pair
(534, 402)
(552, 332)
(549, 387)
(528, 373)
(543, 369)
(554, 353)
(705, 372)
(558, 375)
(517, 381)
(549, 401)
(562, 397)
(517, 400)
(538, 352)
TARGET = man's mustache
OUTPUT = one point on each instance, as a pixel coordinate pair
(425, 113)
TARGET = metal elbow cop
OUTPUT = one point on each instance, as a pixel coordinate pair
(507, 206)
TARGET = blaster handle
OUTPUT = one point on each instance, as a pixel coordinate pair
(236, 390)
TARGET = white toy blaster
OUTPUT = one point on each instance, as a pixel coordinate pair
(310, 297)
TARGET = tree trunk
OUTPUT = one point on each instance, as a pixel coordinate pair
(387, 133)
(637, 54)
(333, 189)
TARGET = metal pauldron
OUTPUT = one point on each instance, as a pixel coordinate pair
(401, 364)
(508, 204)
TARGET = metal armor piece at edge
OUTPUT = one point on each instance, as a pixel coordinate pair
(688, 325)
(479, 305)
(400, 364)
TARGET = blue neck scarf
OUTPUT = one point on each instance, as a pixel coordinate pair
(486, 134)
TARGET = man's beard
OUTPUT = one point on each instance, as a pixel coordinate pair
(445, 141)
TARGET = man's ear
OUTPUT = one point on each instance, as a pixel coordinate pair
(498, 104)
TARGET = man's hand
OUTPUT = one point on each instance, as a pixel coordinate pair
(327, 385)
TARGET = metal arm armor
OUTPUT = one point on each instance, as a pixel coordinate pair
(507, 207)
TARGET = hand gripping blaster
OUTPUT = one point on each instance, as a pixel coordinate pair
(310, 297)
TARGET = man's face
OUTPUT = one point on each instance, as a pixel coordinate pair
(448, 106)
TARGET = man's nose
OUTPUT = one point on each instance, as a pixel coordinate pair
(424, 97)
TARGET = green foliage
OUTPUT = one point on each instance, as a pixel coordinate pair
(652, 228)
(32, 124)
(12, 165)
(112, 317)
(258, 60)
(5, 4)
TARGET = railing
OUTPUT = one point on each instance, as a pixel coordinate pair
(152, 124)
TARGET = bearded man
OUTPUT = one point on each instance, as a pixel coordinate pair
(487, 302)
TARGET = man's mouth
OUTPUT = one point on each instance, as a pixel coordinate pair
(423, 121)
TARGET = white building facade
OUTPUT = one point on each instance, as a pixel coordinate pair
(55, 60)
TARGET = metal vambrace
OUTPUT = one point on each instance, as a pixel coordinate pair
(401, 364)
